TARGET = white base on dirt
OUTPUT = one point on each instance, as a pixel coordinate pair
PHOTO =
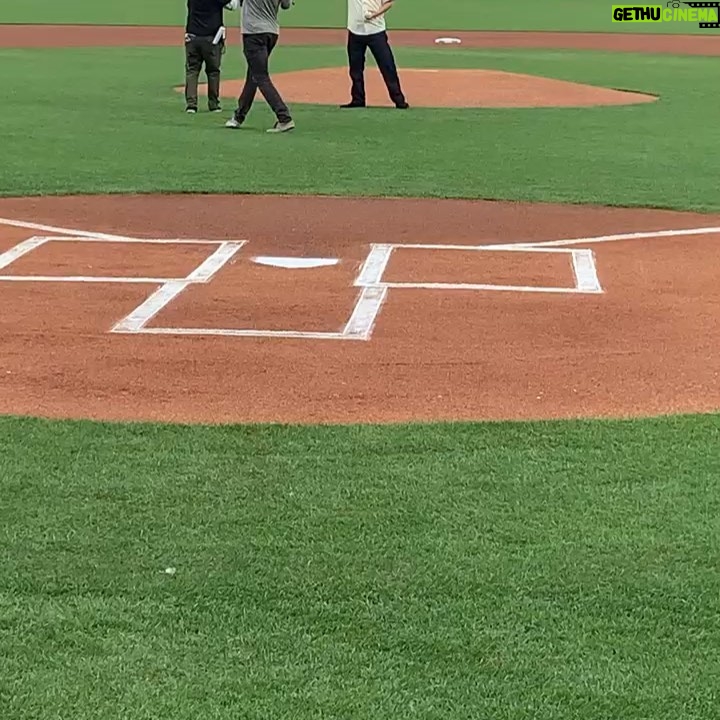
(295, 263)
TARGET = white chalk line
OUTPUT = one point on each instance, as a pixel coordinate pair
(365, 314)
(63, 231)
(209, 267)
(73, 235)
(511, 247)
(371, 274)
(229, 332)
(359, 327)
(375, 265)
(164, 295)
(23, 248)
(144, 313)
(132, 241)
(597, 239)
(88, 279)
(479, 287)
(585, 271)
(108, 237)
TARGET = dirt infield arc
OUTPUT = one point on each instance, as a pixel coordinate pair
(624, 325)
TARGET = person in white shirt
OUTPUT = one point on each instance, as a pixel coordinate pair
(367, 29)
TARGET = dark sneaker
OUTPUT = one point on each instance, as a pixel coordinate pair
(402, 106)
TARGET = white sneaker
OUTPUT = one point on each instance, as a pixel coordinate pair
(191, 111)
(280, 127)
(233, 123)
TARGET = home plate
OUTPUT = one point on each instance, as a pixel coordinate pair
(295, 263)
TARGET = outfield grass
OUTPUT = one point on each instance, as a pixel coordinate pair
(587, 15)
(544, 571)
(658, 154)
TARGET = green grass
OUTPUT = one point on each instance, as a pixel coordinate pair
(92, 102)
(544, 571)
(590, 15)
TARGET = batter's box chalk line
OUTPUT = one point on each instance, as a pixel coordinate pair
(373, 290)
(582, 263)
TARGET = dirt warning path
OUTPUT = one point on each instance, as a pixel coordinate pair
(453, 325)
(48, 36)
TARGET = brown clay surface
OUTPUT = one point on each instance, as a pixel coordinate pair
(647, 345)
(89, 259)
(479, 267)
(245, 295)
(444, 88)
(120, 36)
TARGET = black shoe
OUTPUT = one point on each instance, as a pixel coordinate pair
(402, 106)
(353, 105)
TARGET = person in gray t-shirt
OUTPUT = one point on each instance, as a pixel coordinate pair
(260, 30)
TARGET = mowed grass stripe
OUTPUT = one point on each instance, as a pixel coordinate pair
(543, 571)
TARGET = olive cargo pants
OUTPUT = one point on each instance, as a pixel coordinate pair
(199, 51)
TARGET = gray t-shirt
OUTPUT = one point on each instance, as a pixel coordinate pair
(260, 16)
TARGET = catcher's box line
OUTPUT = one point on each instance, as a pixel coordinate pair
(169, 291)
(359, 327)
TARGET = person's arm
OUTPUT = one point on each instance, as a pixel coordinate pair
(383, 9)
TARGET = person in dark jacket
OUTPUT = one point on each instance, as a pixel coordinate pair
(205, 45)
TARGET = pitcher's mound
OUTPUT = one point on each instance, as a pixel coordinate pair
(445, 88)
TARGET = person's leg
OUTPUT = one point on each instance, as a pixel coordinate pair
(193, 65)
(258, 63)
(356, 49)
(247, 95)
(212, 54)
(383, 54)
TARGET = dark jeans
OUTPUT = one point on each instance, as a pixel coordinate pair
(199, 51)
(257, 50)
(379, 46)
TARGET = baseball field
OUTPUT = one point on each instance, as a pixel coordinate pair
(404, 415)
